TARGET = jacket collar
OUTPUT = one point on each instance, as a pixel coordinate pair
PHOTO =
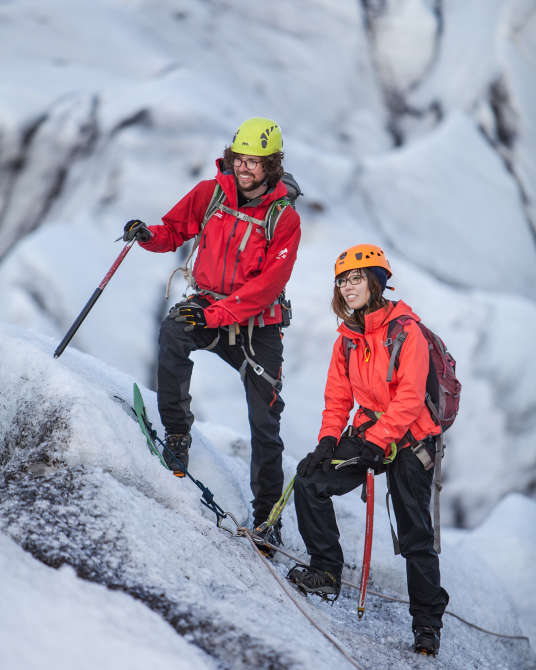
(378, 319)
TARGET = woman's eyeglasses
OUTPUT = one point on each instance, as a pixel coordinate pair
(250, 163)
(354, 280)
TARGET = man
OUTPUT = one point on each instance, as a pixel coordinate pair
(238, 305)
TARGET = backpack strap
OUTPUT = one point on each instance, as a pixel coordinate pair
(273, 215)
(347, 346)
(218, 196)
(394, 345)
(250, 220)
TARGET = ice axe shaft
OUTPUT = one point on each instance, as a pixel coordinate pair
(368, 544)
(92, 300)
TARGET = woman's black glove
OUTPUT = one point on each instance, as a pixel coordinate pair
(372, 456)
(136, 229)
(322, 455)
(360, 452)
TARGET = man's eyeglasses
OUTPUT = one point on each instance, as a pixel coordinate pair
(354, 280)
(250, 163)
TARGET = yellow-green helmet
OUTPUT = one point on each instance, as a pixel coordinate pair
(258, 137)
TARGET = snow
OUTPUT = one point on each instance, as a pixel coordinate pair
(82, 491)
(88, 626)
(453, 242)
(116, 110)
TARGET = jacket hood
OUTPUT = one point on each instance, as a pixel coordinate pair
(379, 319)
(227, 181)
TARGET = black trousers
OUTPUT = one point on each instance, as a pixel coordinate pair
(264, 402)
(410, 486)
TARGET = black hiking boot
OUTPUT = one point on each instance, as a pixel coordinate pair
(320, 582)
(271, 534)
(426, 640)
(176, 453)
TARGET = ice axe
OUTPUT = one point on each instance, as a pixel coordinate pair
(368, 544)
(92, 300)
(368, 497)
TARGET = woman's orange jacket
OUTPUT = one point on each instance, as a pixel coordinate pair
(364, 381)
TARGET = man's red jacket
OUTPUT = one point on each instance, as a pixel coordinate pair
(252, 279)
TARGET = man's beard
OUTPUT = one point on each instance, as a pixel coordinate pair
(253, 186)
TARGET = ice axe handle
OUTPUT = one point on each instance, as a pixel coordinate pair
(93, 299)
(367, 550)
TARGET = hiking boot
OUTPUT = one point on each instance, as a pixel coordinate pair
(426, 640)
(311, 580)
(176, 452)
(271, 534)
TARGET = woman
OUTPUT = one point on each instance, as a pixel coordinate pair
(358, 375)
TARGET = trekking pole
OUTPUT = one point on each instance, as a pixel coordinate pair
(368, 544)
(92, 300)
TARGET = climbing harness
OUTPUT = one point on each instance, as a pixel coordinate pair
(268, 224)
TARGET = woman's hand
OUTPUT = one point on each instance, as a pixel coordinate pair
(321, 456)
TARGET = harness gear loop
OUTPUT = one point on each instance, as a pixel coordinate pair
(277, 384)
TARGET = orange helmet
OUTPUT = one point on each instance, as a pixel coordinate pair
(362, 256)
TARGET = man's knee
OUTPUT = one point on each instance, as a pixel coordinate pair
(171, 329)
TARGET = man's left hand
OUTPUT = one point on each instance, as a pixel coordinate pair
(192, 315)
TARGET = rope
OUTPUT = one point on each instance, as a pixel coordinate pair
(207, 499)
(245, 532)
(401, 600)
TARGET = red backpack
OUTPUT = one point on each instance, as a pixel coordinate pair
(442, 387)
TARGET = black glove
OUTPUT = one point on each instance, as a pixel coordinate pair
(193, 315)
(322, 455)
(372, 456)
(136, 229)
(362, 452)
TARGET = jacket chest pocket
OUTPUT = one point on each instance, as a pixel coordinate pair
(250, 248)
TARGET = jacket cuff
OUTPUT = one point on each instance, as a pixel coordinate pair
(213, 317)
(217, 315)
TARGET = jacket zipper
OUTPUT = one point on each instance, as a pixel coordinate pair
(225, 256)
(237, 258)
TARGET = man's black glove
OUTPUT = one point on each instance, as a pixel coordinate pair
(322, 455)
(136, 229)
(192, 315)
